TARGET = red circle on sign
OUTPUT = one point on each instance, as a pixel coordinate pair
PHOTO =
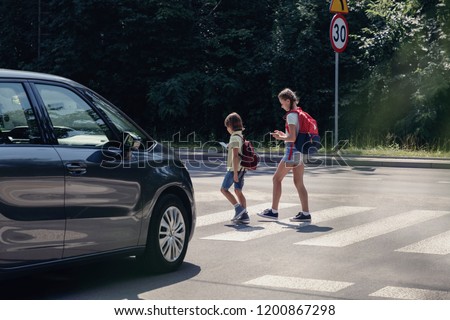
(339, 33)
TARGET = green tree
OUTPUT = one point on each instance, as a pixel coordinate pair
(402, 63)
(228, 71)
(184, 65)
(303, 59)
(18, 33)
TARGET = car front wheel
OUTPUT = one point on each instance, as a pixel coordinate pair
(168, 236)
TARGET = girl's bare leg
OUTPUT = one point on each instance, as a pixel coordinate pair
(299, 184)
(277, 179)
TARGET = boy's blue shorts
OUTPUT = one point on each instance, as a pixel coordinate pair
(228, 180)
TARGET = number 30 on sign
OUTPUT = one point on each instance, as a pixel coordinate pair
(339, 33)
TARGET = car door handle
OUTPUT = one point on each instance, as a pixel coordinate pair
(76, 169)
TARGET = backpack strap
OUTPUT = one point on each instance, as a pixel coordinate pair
(292, 144)
(243, 141)
(242, 137)
(240, 153)
(298, 111)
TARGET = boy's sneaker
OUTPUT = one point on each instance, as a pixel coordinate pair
(239, 211)
(301, 217)
(244, 218)
(268, 214)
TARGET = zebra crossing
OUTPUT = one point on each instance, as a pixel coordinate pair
(299, 283)
(435, 245)
(439, 244)
(330, 286)
(373, 229)
(224, 216)
(263, 230)
(411, 294)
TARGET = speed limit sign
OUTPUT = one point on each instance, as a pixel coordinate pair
(339, 33)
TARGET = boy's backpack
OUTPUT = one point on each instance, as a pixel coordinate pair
(308, 139)
(249, 158)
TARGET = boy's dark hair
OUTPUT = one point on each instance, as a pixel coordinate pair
(234, 121)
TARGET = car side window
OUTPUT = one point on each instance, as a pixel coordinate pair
(117, 119)
(17, 119)
(74, 122)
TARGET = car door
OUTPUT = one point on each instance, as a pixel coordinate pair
(102, 199)
(32, 218)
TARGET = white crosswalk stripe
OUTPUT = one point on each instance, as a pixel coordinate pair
(224, 216)
(351, 178)
(411, 294)
(266, 229)
(439, 244)
(331, 286)
(299, 283)
(373, 229)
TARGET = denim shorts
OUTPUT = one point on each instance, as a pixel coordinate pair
(294, 158)
(228, 180)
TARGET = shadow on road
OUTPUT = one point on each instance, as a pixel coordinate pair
(302, 228)
(313, 229)
(106, 280)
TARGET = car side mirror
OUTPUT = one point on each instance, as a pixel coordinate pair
(131, 141)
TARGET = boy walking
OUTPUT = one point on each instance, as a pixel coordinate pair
(235, 173)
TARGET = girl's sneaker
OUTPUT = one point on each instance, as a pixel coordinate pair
(268, 214)
(301, 217)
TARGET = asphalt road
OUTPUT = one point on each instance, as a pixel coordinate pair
(377, 233)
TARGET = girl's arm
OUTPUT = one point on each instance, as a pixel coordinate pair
(290, 137)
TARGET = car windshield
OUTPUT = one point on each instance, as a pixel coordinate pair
(117, 118)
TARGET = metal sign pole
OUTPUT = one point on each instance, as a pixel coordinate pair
(336, 96)
(339, 41)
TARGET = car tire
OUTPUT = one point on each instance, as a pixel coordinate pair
(168, 236)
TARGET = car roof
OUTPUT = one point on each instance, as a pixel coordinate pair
(30, 75)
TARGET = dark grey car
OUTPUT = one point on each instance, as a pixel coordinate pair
(80, 180)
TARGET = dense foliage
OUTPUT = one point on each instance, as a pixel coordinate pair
(183, 65)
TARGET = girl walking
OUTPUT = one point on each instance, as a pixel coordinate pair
(292, 160)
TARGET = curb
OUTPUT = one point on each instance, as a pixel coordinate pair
(334, 160)
(388, 162)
